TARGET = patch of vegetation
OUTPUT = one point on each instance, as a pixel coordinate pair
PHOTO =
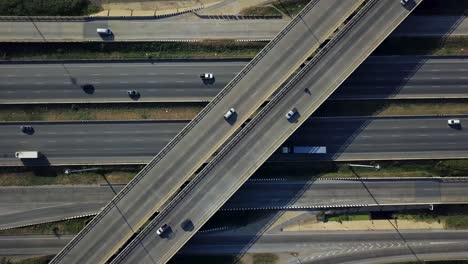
(33, 260)
(264, 10)
(67, 227)
(436, 262)
(130, 50)
(349, 217)
(311, 170)
(418, 216)
(453, 216)
(457, 221)
(392, 107)
(456, 45)
(446, 7)
(264, 258)
(209, 259)
(75, 112)
(47, 8)
(35, 176)
(290, 7)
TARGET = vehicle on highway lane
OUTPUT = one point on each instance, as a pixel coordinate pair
(133, 93)
(207, 76)
(454, 122)
(229, 113)
(27, 129)
(291, 114)
(27, 154)
(162, 229)
(103, 31)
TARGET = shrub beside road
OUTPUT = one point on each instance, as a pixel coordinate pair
(47, 7)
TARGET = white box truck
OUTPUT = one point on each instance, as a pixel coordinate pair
(27, 154)
(305, 150)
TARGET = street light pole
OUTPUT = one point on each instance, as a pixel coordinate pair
(69, 171)
(377, 167)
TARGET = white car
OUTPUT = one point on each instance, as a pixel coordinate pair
(207, 76)
(290, 114)
(104, 31)
(229, 113)
(162, 229)
(404, 2)
(454, 122)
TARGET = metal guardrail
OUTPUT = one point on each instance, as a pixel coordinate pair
(238, 17)
(95, 18)
(173, 203)
(184, 132)
(87, 18)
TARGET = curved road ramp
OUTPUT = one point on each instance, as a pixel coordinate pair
(198, 141)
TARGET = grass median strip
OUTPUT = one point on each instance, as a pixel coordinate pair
(312, 170)
(393, 107)
(66, 227)
(208, 49)
(186, 111)
(77, 112)
(35, 176)
(456, 45)
(25, 260)
(213, 49)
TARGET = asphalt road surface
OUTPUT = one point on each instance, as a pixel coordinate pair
(33, 205)
(181, 29)
(239, 159)
(163, 177)
(378, 78)
(346, 138)
(317, 248)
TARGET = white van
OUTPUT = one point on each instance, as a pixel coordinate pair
(105, 31)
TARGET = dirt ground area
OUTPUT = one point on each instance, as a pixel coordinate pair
(228, 7)
(144, 8)
(313, 225)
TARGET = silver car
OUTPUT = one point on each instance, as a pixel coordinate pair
(291, 113)
(229, 113)
(162, 229)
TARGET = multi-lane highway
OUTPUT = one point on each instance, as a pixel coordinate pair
(33, 205)
(268, 129)
(378, 78)
(67, 142)
(179, 28)
(314, 248)
(166, 173)
(346, 138)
